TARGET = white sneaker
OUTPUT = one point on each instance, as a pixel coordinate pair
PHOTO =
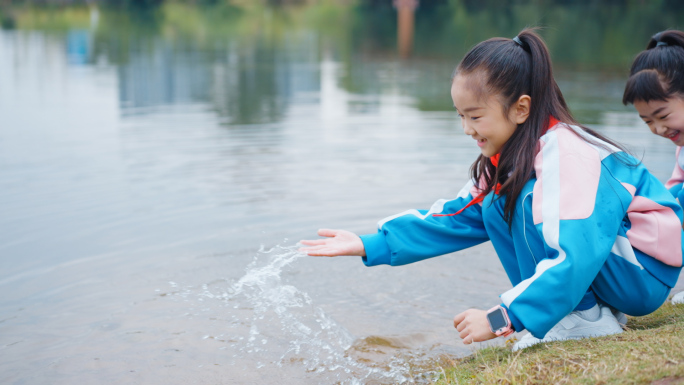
(574, 326)
(678, 298)
(619, 316)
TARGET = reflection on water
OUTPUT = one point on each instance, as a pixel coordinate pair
(406, 14)
(146, 156)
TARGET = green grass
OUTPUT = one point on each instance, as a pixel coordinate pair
(650, 351)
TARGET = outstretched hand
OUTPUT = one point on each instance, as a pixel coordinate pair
(337, 243)
(473, 326)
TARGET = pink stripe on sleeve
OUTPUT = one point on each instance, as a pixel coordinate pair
(656, 230)
(580, 172)
(538, 191)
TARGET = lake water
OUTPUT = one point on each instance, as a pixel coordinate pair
(156, 173)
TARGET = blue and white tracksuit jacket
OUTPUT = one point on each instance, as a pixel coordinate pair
(676, 181)
(586, 224)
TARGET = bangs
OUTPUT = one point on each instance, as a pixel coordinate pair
(645, 85)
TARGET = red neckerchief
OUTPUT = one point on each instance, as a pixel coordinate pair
(495, 161)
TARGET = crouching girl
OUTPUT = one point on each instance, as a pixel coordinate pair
(656, 88)
(583, 230)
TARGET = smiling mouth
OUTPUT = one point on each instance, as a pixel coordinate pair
(673, 136)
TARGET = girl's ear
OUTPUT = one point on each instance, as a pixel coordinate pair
(521, 109)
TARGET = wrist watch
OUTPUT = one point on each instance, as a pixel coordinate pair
(499, 323)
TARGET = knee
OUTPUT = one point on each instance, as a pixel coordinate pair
(645, 305)
(639, 311)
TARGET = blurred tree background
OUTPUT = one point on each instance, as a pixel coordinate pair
(581, 34)
(577, 31)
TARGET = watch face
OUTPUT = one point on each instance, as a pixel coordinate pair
(496, 319)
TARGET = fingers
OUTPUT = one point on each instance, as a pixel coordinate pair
(466, 336)
(337, 243)
(323, 233)
(461, 327)
(319, 242)
(464, 323)
(323, 250)
(458, 320)
(327, 232)
(319, 252)
(473, 326)
(314, 242)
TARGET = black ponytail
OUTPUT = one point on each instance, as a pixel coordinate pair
(511, 68)
(657, 73)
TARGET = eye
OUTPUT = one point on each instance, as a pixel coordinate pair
(460, 116)
(664, 116)
(474, 117)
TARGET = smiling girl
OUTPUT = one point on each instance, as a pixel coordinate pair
(656, 88)
(582, 229)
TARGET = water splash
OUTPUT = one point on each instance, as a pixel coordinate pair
(314, 339)
(273, 324)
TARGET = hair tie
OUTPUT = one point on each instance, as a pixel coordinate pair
(656, 38)
(524, 46)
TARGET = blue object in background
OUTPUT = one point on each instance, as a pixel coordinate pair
(78, 45)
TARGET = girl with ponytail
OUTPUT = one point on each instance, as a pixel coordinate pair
(585, 233)
(656, 89)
